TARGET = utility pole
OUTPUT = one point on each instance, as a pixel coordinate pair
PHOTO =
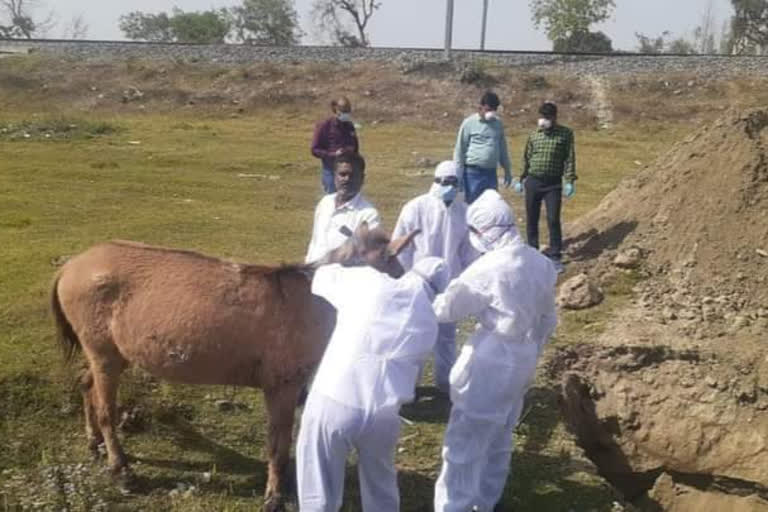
(485, 21)
(448, 27)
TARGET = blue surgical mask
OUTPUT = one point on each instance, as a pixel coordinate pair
(448, 193)
(344, 117)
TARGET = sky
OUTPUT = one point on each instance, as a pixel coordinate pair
(421, 23)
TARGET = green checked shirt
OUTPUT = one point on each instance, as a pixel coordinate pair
(550, 154)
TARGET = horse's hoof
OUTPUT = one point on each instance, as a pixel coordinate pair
(98, 450)
(123, 477)
(274, 504)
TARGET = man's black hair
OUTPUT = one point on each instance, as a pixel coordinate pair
(548, 109)
(356, 160)
(490, 99)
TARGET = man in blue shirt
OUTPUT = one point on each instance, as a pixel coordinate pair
(481, 147)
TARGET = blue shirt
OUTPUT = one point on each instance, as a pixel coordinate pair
(481, 143)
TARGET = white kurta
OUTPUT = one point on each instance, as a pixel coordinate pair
(330, 219)
(511, 291)
(444, 234)
(384, 331)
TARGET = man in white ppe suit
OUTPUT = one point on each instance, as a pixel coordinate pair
(385, 329)
(441, 216)
(510, 290)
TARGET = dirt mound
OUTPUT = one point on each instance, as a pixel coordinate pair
(699, 213)
(673, 422)
(641, 410)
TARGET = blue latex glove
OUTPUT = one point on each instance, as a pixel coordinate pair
(507, 179)
(519, 187)
(568, 190)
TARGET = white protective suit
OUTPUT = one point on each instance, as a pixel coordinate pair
(511, 292)
(444, 234)
(385, 329)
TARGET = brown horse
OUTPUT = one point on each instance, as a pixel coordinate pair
(186, 317)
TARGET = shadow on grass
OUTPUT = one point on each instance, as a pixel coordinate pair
(148, 485)
(541, 413)
(551, 483)
(535, 482)
(225, 459)
(540, 417)
(432, 406)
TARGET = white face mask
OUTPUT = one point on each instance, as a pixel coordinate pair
(487, 241)
(545, 124)
(490, 116)
(344, 117)
(479, 243)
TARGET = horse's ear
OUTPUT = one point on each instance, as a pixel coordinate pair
(360, 237)
(362, 230)
(396, 246)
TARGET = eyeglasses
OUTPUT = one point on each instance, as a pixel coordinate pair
(448, 180)
(479, 232)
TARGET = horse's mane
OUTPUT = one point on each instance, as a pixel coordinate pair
(279, 270)
(248, 268)
(171, 250)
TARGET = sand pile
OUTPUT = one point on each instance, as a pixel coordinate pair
(698, 215)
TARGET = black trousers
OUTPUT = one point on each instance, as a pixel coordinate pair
(538, 190)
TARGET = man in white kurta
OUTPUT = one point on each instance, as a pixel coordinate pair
(385, 329)
(441, 216)
(510, 290)
(339, 214)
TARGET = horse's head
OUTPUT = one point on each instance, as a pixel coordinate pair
(373, 247)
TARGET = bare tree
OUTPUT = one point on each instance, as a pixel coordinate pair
(17, 19)
(726, 38)
(328, 14)
(704, 35)
(703, 40)
(77, 28)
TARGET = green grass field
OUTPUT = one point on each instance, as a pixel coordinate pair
(244, 189)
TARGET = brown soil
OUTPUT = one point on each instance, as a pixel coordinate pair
(699, 215)
(380, 93)
(673, 396)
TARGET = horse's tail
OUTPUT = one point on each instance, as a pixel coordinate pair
(67, 338)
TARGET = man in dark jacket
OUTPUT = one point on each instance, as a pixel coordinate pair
(334, 137)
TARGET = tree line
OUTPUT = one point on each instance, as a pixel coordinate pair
(266, 22)
(568, 24)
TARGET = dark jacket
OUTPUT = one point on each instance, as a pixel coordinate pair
(332, 135)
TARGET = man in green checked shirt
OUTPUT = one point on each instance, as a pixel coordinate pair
(549, 172)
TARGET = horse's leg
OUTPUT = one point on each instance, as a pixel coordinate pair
(106, 377)
(92, 430)
(281, 405)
